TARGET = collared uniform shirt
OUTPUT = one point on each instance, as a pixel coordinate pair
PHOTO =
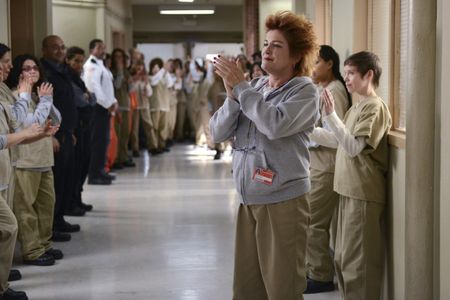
(99, 81)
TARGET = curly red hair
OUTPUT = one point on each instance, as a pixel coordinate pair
(301, 37)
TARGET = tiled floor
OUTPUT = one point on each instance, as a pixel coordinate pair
(164, 230)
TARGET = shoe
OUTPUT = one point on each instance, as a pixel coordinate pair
(165, 149)
(55, 253)
(218, 155)
(136, 153)
(99, 181)
(314, 286)
(43, 260)
(110, 176)
(86, 207)
(117, 166)
(59, 236)
(129, 164)
(14, 275)
(75, 212)
(67, 227)
(11, 294)
(155, 151)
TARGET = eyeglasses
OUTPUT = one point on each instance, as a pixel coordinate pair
(30, 68)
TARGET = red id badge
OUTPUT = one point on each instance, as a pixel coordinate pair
(263, 175)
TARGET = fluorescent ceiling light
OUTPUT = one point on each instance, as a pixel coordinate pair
(185, 0)
(186, 11)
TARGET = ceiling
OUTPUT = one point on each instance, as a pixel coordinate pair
(196, 2)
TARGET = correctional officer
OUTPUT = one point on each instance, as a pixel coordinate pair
(99, 81)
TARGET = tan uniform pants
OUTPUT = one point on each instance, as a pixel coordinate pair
(181, 118)
(172, 119)
(322, 202)
(34, 203)
(159, 137)
(359, 255)
(142, 115)
(8, 235)
(201, 119)
(123, 134)
(270, 251)
(11, 186)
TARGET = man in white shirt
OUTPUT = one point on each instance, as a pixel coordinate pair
(99, 81)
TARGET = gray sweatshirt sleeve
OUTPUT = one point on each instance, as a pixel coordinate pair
(41, 113)
(19, 109)
(223, 123)
(55, 115)
(3, 141)
(293, 115)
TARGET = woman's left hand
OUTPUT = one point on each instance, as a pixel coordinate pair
(229, 71)
(328, 102)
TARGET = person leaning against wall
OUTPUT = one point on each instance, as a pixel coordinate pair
(270, 119)
(360, 177)
(322, 199)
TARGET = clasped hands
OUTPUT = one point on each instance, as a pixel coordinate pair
(230, 72)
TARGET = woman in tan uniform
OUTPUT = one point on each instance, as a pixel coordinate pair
(360, 178)
(322, 199)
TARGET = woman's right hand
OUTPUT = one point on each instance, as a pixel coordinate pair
(32, 131)
(328, 102)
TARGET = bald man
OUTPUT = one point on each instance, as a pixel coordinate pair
(53, 54)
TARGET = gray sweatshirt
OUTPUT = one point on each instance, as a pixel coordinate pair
(270, 131)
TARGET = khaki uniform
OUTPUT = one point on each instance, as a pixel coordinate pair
(201, 113)
(322, 199)
(361, 182)
(263, 267)
(159, 109)
(122, 129)
(181, 114)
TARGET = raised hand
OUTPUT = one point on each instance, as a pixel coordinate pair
(46, 89)
(328, 102)
(229, 71)
(49, 129)
(25, 85)
(32, 131)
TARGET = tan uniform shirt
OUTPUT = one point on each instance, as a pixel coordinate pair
(323, 158)
(363, 177)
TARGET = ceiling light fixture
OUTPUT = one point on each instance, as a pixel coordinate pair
(186, 10)
(185, 0)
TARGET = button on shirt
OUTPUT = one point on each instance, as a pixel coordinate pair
(99, 81)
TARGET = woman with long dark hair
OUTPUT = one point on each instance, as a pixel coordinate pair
(322, 199)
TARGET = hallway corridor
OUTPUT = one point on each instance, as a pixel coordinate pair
(164, 231)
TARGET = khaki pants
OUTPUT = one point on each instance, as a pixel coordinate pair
(8, 235)
(123, 134)
(11, 186)
(172, 119)
(181, 118)
(322, 202)
(144, 116)
(158, 140)
(202, 118)
(359, 255)
(34, 203)
(270, 251)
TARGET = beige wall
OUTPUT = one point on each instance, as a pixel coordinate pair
(267, 7)
(4, 22)
(80, 22)
(443, 124)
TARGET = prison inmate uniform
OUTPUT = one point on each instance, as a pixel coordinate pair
(322, 199)
(217, 95)
(174, 87)
(121, 89)
(9, 121)
(143, 91)
(181, 110)
(188, 85)
(361, 184)
(159, 109)
(34, 193)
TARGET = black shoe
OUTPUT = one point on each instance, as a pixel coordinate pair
(165, 149)
(75, 212)
(14, 275)
(218, 155)
(129, 164)
(155, 151)
(99, 181)
(136, 153)
(59, 236)
(86, 207)
(55, 253)
(314, 286)
(67, 227)
(11, 294)
(43, 260)
(117, 166)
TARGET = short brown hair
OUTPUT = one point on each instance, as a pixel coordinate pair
(365, 61)
(301, 38)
